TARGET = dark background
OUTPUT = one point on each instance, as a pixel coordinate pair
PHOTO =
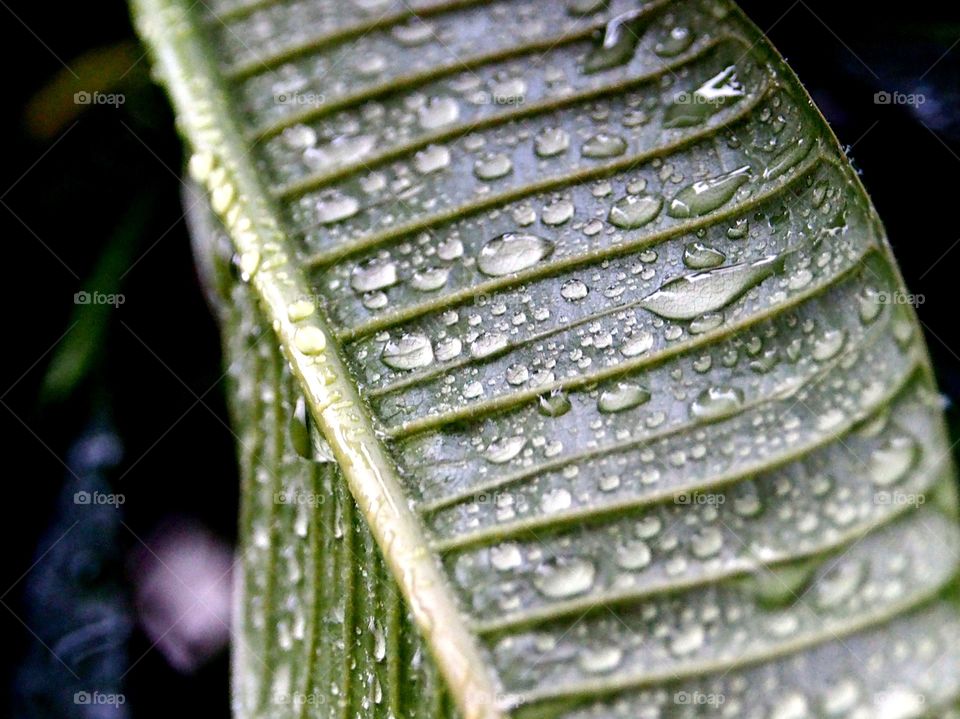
(76, 189)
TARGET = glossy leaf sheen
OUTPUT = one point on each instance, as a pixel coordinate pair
(599, 327)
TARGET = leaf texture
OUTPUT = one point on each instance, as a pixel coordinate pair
(595, 393)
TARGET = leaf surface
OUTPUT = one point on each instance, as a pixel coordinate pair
(595, 393)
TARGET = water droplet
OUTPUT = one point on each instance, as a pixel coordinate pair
(505, 557)
(637, 344)
(373, 274)
(448, 349)
(690, 296)
(633, 555)
(788, 158)
(551, 141)
(409, 352)
(634, 211)
(340, 151)
(604, 146)
(431, 159)
(688, 640)
(619, 44)
(503, 450)
(439, 111)
(622, 397)
(829, 345)
(707, 542)
(556, 500)
(705, 196)
(892, 460)
(839, 583)
(512, 252)
(555, 404)
(693, 108)
(600, 661)
(488, 343)
(493, 167)
(678, 40)
(574, 290)
(429, 279)
(716, 403)
(698, 256)
(559, 578)
(334, 206)
(556, 213)
(310, 340)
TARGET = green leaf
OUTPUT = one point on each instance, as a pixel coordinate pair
(597, 393)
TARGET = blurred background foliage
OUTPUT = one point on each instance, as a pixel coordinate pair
(90, 200)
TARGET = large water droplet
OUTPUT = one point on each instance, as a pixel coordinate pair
(604, 146)
(706, 196)
(690, 296)
(716, 403)
(334, 206)
(698, 256)
(551, 141)
(560, 578)
(493, 167)
(409, 352)
(373, 274)
(503, 450)
(439, 111)
(619, 44)
(635, 211)
(622, 397)
(512, 252)
(692, 108)
(891, 461)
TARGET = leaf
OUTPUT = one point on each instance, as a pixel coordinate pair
(609, 349)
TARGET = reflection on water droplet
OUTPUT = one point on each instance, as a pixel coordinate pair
(634, 211)
(503, 450)
(693, 108)
(694, 295)
(603, 146)
(551, 141)
(555, 404)
(439, 111)
(716, 403)
(891, 462)
(698, 256)
(619, 44)
(493, 167)
(431, 159)
(622, 397)
(429, 279)
(705, 196)
(334, 206)
(512, 252)
(678, 40)
(411, 351)
(636, 344)
(560, 578)
(373, 274)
